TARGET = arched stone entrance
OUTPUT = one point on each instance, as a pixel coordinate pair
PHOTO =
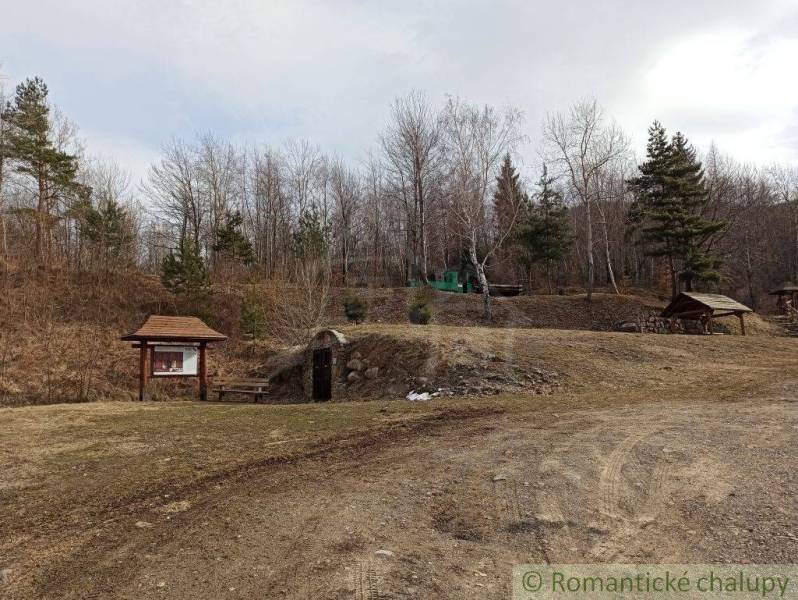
(324, 363)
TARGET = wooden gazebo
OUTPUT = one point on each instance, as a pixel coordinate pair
(785, 297)
(705, 308)
(173, 347)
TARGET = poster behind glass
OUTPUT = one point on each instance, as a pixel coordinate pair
(174, 360)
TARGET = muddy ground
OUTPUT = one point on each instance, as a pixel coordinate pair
(431, 502)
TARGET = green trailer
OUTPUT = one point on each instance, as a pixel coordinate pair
(449, 283)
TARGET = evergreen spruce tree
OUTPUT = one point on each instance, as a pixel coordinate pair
(508, 199)
(545, 235)
(232, 243)
(686, 178)
(311, 239)
(29, 146)
(666, 216)
(107, 228)
(509, 203)
(184, 272)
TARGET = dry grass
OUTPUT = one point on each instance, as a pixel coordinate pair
(68, 469)
(95, 454)
(59, 336)
(589, 359)
(59, 332)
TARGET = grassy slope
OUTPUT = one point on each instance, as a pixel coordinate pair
(79, 463)
(59, 332)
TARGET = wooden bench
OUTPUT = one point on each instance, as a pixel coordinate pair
(240, 385)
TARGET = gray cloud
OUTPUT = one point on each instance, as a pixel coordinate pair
(141, 72)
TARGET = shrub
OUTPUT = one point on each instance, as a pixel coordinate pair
(420, 312)
(424, 294)
(355, 308)
(253, 317)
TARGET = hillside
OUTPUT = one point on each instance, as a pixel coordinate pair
(59, 333)
(538, 311)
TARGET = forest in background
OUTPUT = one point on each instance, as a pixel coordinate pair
(439, 190)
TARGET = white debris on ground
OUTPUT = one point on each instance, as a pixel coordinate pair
(420, 397)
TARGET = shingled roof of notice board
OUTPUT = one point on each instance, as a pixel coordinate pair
(159, 328)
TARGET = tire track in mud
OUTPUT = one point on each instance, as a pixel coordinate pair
(611, 479)
(550, 505)
(655, 500)
(627, 527)
(367, 582)
(338, 454)
(512, 519)
(506, 504)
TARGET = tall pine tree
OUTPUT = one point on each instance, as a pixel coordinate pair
(32, 151)
(544, 235)
(508, 198)
(509, 202)
(670, 194)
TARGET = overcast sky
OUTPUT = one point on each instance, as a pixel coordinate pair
(134, 74)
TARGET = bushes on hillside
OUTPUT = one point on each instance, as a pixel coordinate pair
(420, 312)
(355, 308)
(254, 321)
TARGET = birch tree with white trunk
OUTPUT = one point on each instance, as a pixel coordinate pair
(580, 145)
(476, 139)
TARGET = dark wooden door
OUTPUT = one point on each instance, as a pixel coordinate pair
(322, 374)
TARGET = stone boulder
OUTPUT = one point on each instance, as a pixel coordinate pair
(355, 365)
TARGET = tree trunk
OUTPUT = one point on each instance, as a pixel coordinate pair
(589, 247)
(483, 280)
(674, 282)
(607, 254)
(422, 218)
(40, 207)
(749, 274)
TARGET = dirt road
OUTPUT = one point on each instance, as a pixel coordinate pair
(446, 513)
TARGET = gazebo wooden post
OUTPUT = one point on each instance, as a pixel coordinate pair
(203, 373)
(143, 370)
(741, 316)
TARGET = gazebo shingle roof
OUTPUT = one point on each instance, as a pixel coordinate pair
(174, 329)
(713, 302)
(785, 288)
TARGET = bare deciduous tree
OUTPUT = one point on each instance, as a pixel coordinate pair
(412, 148)
(476, 138)
(581, 144)
(346, 196)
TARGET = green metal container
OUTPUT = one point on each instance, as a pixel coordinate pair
(449, 283)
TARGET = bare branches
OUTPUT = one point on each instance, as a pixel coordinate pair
(581, 145)
(475, 140)
(414, 160)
